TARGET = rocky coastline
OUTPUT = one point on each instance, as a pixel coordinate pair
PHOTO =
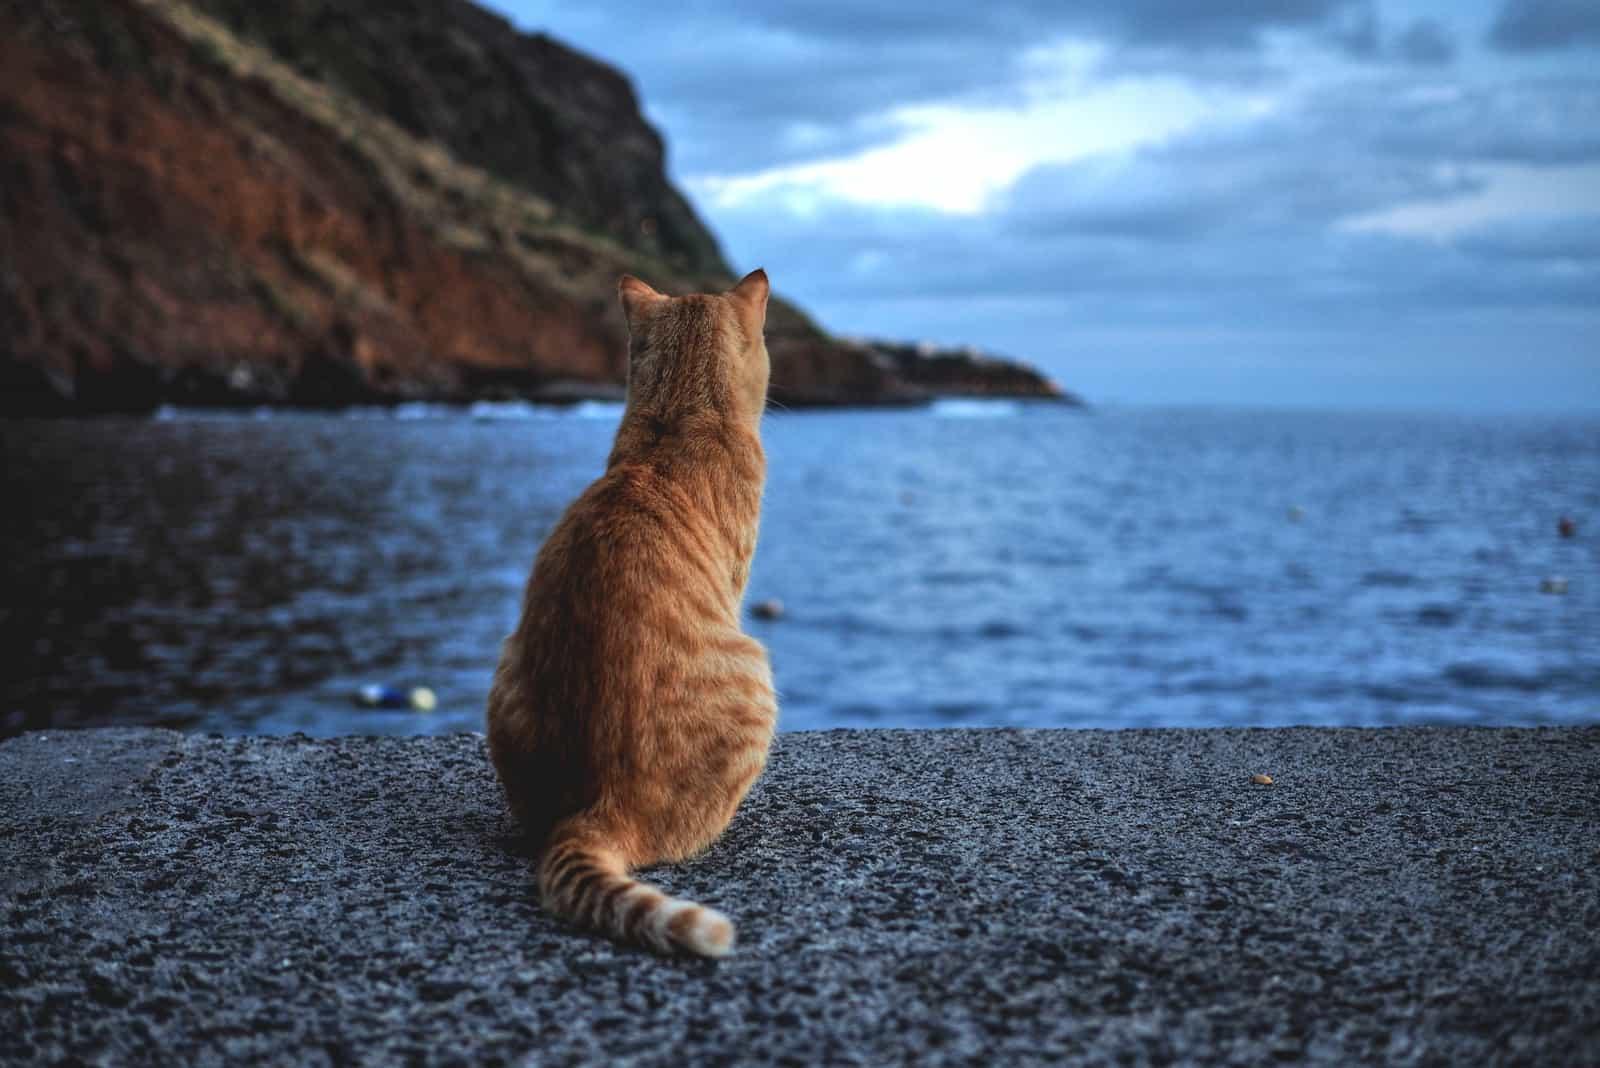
(319, 204)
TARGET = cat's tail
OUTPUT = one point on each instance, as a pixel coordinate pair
(584, 881)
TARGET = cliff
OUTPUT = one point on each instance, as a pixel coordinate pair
(966, 373)
(319, 203)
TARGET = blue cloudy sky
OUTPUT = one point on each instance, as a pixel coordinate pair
(1302, 202)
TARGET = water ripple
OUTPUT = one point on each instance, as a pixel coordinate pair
(977, 565)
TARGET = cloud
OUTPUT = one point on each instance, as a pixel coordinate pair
(752, 86)
(1101, 162)
(1249, 223)
(1294, 311)
(1317, 199)
(1238, 271)
(749, 87)
(1572, 241)
(1542, 25)
(1549, 121)
(1238, 25)
(956, 158)
(1360, 34)
(1229, 24)
(1356, 32)
(1426, 43)
(1300, 170)
(1508, 193)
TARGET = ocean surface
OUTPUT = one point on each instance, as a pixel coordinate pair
(977, 564)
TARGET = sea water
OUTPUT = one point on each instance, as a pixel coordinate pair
(972, 564)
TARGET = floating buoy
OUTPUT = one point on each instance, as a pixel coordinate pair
(375, 696)
(1553, 584)
(1566, 527)
(769, 609)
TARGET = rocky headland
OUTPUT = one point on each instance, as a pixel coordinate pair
(223, 202)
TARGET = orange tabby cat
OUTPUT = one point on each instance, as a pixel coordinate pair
(630, 714)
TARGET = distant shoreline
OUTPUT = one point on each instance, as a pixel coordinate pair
(566, 401)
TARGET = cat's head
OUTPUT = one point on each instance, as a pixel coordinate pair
(700, 352)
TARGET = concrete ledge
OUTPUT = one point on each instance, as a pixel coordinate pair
(1407, 896)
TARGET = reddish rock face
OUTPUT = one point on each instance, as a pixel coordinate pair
(521, 107)
(184, 216)
(164, 220)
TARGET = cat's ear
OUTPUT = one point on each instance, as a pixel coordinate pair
(637, 298)
(751, 296)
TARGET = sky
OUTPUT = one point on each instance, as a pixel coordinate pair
(1329, 203)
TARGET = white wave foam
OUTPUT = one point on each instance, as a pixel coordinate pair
(974, 408)
(486, 411)
(593, 409)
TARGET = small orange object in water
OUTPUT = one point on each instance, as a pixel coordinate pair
(1566, 527)
(1261, 780)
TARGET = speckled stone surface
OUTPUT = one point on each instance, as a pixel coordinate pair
(1406, 896)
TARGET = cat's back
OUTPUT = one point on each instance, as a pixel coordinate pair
(620, 532)
(632, 568)
(568, 661)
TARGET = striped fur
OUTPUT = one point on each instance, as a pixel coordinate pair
(630, 714)
(589, 886)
